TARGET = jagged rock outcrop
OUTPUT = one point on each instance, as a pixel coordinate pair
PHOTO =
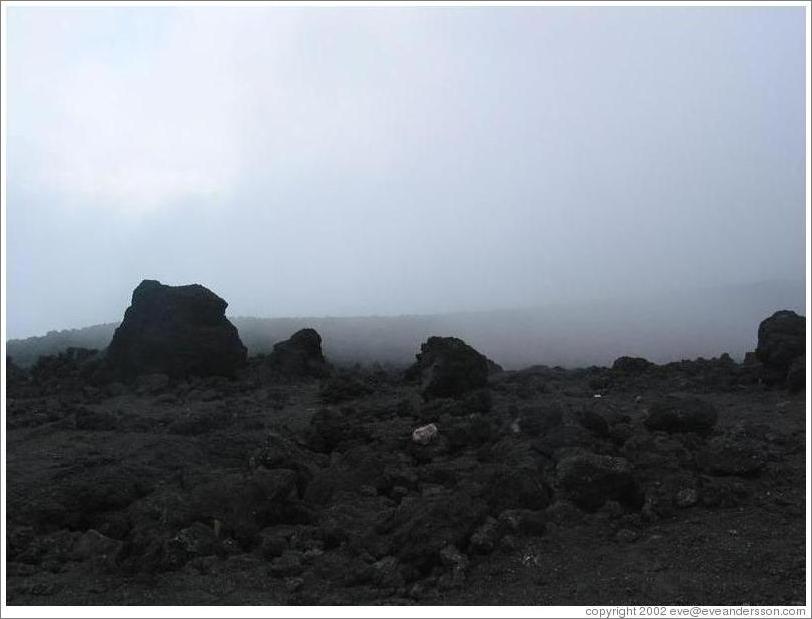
(781, 340)
(447, 367)
(300, 355)
(175, 330)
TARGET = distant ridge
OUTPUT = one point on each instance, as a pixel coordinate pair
(662, 327)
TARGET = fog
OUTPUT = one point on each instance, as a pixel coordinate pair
(386, 161)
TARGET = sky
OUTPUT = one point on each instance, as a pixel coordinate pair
(355, 161)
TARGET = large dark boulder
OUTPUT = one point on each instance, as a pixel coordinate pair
(300, 355)
(447, 367)
(781, 340)
(175, 330)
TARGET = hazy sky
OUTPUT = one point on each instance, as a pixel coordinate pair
(311, 161)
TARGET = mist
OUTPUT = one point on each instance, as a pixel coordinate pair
(390, 161)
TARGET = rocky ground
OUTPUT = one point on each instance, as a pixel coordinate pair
(640, 484)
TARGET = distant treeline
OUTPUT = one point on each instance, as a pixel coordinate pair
(662, 328)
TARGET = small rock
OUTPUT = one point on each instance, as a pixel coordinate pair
(525, 521)
(425, 434)
(273, 544)
(386, 573)
(625, 536)
(686, 497)
(289, 564)
(486, 537)
(457, 563)
(367, 490)
(564, 513)
(93, 544)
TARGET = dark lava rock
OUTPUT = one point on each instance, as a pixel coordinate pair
(468, 432)
(94, 545)
(732, 455)
(300, 355)
(723, 491)
(342, 387)
(590, 480)
(666, 492)
(200, 422)
(796, 375)
(87, 419)
(525, 521)
(177, 331)
(91, 489)
(422, 527)
(15, 375)
(197, 540)
(487, 536)
(68, 370)
(447, 367)
(505, 486)
(280, 453)
(540, 420)
(151, 383)
(593, 421)
(273, 543)
(289, 564)
(331, 428)
(245, 505)
(631, 365)
(679, 414)
(781, 340)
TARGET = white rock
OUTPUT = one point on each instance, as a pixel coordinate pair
(424, 434)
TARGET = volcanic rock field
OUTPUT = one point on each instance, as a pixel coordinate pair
(173, 469)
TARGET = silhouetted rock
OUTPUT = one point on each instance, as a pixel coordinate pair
(781, 340)
(300, 355)
(448, 367)
(677, 414)
(631, 365)
(175, 330)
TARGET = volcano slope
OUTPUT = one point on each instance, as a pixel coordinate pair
(637, 484)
